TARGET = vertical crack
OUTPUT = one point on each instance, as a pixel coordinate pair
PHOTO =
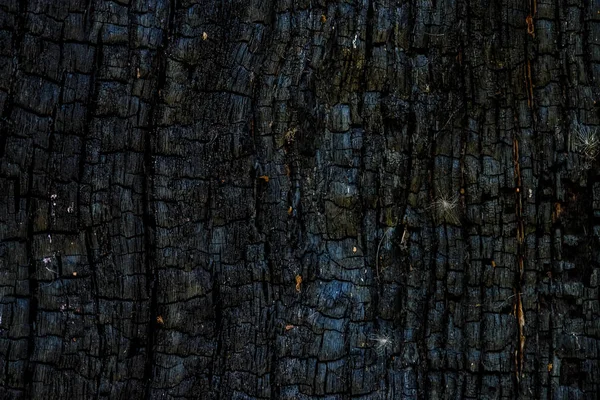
(520, 235)
(519, 353)
(33, 286)
(99, 325)
(149, 218)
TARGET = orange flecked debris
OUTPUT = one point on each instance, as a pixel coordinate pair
(290, 210)
(298, 282)
(549, 367)
(264, 178)
(323, 19)
(521, 321)
(493, 264)
(160, 320)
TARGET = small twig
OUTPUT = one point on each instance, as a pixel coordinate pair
(504, 302)
(404, 238)
(54, 272)
(446, 124)
(377, 255)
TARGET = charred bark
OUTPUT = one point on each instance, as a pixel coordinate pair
(299, 199)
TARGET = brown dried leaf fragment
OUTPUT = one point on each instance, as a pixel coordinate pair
(160, 320)
(557, 211)
(290, 135)
(530, 28)
(298, 282)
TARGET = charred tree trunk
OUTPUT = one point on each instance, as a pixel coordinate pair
(299, 199)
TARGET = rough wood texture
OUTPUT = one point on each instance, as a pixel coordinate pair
(265, 199)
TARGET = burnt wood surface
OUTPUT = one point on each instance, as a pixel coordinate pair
(295, 199)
